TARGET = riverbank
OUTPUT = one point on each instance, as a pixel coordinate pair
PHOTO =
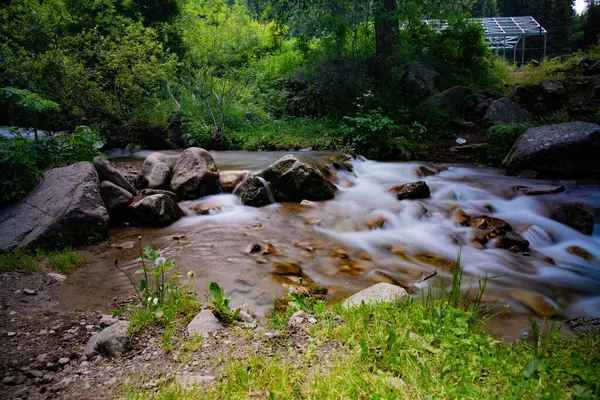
(399, 348)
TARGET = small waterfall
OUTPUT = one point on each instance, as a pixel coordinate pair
(267, 189)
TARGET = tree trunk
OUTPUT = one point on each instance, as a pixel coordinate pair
(386, 26)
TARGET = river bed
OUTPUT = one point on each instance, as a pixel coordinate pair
(336, 246)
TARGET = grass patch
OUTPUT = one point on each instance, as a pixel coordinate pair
(434, 349)
(65, 261)
(285, 134)
(20, 259)
(550, 69)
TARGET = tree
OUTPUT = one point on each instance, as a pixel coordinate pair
(591, 25)
(30, 103)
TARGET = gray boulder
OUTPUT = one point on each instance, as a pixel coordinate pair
(420, 80)
(107, 172)
(571, 149)
(204, 322)
(155, 173)
(150, 192)
(291, 180)
(65, 208)
(158, 209)
(195, 174)
(380, 292)
(254, 192)
(116, 199)
(455, 100)
(109, 342)
(506, 111)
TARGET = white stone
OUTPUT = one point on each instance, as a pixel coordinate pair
(54, 277)
(381, 292)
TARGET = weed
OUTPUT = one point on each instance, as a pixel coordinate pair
(65, 261)
(20, 259)
(220, 304)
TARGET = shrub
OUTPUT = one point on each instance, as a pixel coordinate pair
(501, 138)
(23, 160)
(370, 134)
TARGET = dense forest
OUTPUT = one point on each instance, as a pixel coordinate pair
(227, 74)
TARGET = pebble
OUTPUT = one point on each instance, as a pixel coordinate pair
(63, 360)
(10, 334)
(42, 357)
(12, 313)
(34, 373)
(84, 364)
(48, 377)
(30, 292)
(8, 380)
(54, 277)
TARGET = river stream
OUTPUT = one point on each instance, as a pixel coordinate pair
(364, 236)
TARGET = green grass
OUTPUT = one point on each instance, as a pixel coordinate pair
(24, 260)
(19, 259)
(501, 138)
(549, 69)
(285, 134)
(65, 261)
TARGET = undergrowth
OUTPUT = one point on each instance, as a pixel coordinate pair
(25, 260)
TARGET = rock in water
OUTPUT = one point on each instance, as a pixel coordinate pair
(575, 215)
(158, 209)
(107, 172)
(253, 192)
(291, 180)
(156, 172)
(205, 322)
(195, 174)
(506, 111)
(230, 179)
(110, 342)
(115, 197)
(65, 208)
(571, 148)
(538, 303)
(411, 191)
(150, 192)
(381, 292)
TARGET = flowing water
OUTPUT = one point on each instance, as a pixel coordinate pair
(337, 247)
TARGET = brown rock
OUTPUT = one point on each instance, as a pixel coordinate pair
(228, 180)
(495, 225)
(538, 190)
(536, 302)
(376, 222)
(580, 252)
(461, 218)
(575, 215)
(511, 240)
(411, 191)
(363, 255)
(270, 249)
(206, 207)
(287, 268)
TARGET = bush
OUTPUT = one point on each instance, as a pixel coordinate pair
(501, 138)
(23, 160)
(370, 134)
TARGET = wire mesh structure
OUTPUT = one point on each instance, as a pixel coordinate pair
(506, 34)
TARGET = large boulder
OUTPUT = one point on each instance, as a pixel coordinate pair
(575, 215)
(506, 111)
(291, 180)
(380, 292)
(116, 199)
(571, 149)
(64, 209)
(195, 174)
(420, 80)
(107, 172)
(254, 192)
(158, 209)
(156, 172)
(455, 100)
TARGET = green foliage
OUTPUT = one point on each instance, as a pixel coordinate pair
(220, 304)
(20, 259)
(370, 134)
(65, 261)
(501, 138)
(27, 101)
(160, 300)
(23, 160)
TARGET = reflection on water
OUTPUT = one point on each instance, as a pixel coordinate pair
(334, 244)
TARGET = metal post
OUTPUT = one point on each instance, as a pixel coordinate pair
(523, 53)
(515, 50)
(504, 49)
(545, 40)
